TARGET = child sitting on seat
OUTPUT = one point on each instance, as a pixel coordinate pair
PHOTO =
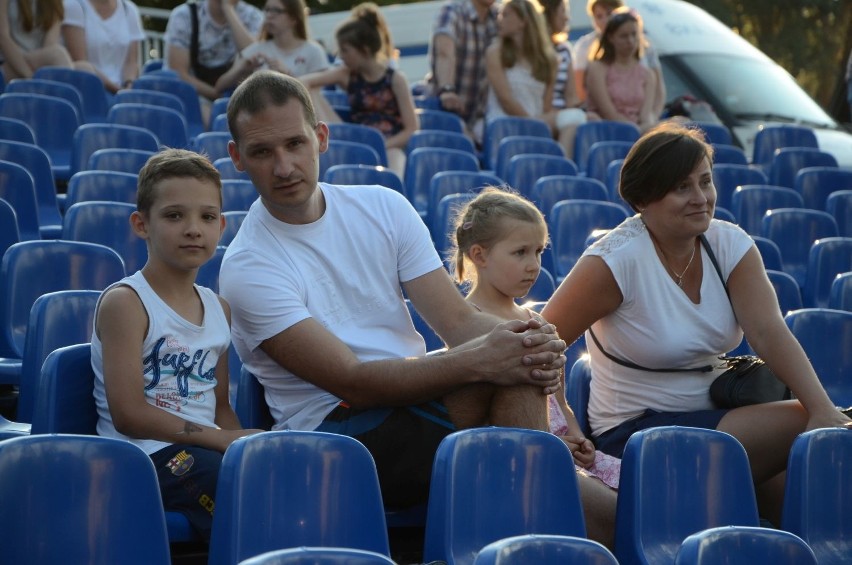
(160, 344)
(502, 236)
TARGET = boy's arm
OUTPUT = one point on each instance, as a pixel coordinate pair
(121, 325)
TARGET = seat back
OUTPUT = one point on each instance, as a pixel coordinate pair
(828, 258)
(228, 171)
(445, 214)
(669, 489)
(364, 174)
(109, 186)
(120, 160)
(50, 118)
(35, 160)
(152, 97)
(839, 205)
(601, 154)
(750, 202)
(237, 195)
(776, 136)
(208, 273)
(787, 162)
(32, 268)
(342, 152)
(743, 545)
(64, 400)
(13, 129)
(424, 163)
(432, 340)
(251, 407)
(95, 100)
(515, 145)
(500, 128)
(80, 499)
(815, 184)
(432, 119)
(445, 183)
(604, 130)
(91, 137)
(817, 486)
(825, 336)
(213, 144)
(795, 230)
(492, 483)
(17, 188)
(570, 224)
(840, 297)
(549, 190)
(57, 319)
(769, 252)
(440, 138)
(47, 87)
(360, 133)
(578, 383)
(786, 289)
(713, 132)
(233, 221)
(522, 550)
(543, 288)
(319, 556)
(9, 234)
(183, 90)
(107, 223)
(168, 125)
(288, 489)
(730, 154)
(728, 176)
(525, 169)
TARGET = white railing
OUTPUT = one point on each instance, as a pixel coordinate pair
(152, 45)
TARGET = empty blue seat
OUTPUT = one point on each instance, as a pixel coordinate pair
(80, 499)
(168, 125)
(571, 222)
(219, 123)
(213, 144)
(525, 169)
(13, 129)
(424, 163)
(613, 179)
(817, 489)
(107, 223)
(492, 483)
(683, 468)
(288, 489)
(434, 119)
(839, 205)
(93, 137)
(48, 87)
(828, 258)
(795, 230)
(445, 183)
(788, 161)
(342, 152)
(51, 119)
(776, 136)
(815, 184)
(500, 128)
(152, 97)
(219, 107)
(9, 234)
(714, 133)
(744, 545)
(440, 138)
(544, 550)
(604, 130)
(786, 289)
(94, 96)
(233, 221)
(432, 340)
(57, 319)
(729, 154)
(516, 145)
(364, 174)
(549, 190)
(577, 390)
(37, 162)
(840, 296)
(728, 176)
(319, 556)
(825, 336)
(120, 160)
(750, 202)
(442, 223)
(228, 171)
(183, 90)
(110, 186)
(250, 405)
(543, 288)
(769, 252)
(208, 273)
(360, 133)
(237, 195)
(17, 189)
(724, 214)
(601, 154)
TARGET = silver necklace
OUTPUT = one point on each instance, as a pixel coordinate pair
(679, 277)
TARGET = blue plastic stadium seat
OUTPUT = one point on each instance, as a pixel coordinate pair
(815, 184)
(714, 133)
(795, 230)
(228, 170)
(828, 258)
(319, 556)
(750, 202)
(525, 169)
(777, 136)
(183, 90)
(743, 545)
(601, 154)
(35, 160)
(445, 213)
(516, 145)
(424, 163)
(170, 126)
(728, 154)
(95, 99)
(213, 144)
(445, 183)
(839, 205)
(18, 190)
(500, 128)
(13, 129)
(9, 234)
(92, 137)
(786, 289)
(825, 336)
(110, 186)
(840, 296)
(543, 549)
(120, 160)
(577, 389)
(571, 222)
(107, 223)
(788, 161)
(151, 97)
(342, 152)
(492, 483)
(440, 138)
(364, 174)
(435, 119)
(604, 130)
(728, 176)
(548, 190)
(359, 133)
(237, 195)
(233, 221)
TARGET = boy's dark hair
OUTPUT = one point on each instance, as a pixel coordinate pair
(171, 163)
(659, 161)
(264, 88)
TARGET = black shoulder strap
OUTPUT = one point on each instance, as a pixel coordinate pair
(193, 42)
(713, 260)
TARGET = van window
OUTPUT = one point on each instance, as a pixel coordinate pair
(747, 89)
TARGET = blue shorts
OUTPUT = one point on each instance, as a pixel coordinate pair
(188, 475)
(403, 442)
(612, 441)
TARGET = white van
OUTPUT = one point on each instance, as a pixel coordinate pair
(700, 56)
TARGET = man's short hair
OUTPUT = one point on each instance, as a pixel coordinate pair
(264, 88)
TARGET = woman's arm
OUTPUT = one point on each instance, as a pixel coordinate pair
(407, 112)
(599, 93)
(647, 118)
(756, 307)
(338, 75)
(500, 84)
(131, 67)
(242, 67)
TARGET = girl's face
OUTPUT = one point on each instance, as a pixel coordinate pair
(512, 264)
(687, 209)
(560, 18)
(509, 23)
(275, 17)
(600, 15)
(352, 57)
(625, 39)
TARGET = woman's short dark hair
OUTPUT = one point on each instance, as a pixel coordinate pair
(659, 162)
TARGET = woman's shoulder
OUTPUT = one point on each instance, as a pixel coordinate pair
(619, 238)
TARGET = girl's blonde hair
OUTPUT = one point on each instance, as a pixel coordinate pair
(537, 47)
(47, 12)
(480, 222)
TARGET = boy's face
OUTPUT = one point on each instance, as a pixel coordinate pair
(184, 224)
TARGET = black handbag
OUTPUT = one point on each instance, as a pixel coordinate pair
(747, 380)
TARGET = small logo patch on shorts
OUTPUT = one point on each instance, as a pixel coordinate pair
(180, 463)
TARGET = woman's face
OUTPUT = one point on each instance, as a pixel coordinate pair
(560, 18)
(275, 16)
(687, 209)
(600, 15)
(625, 39)
(509, 23)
